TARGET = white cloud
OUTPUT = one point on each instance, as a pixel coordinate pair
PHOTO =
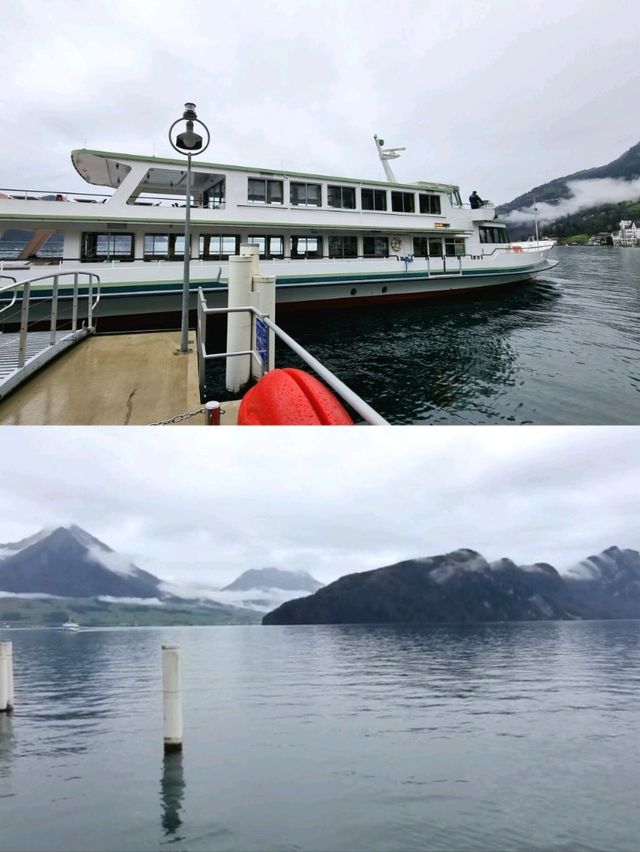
(487, 93)
(27, 595)
(118, 562)
(198, 508)
(140, 601)
(584, 194)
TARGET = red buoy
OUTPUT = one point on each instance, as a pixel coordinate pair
(291, 397)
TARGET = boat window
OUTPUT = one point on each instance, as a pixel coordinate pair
(176, 246)
(302, 247)
(430, 204)
(493, 235)
(306, 194)
(106, 246)
(375, 247)
(341, 196)
(156, 246)
(374, 199)
(265, 191)
(41, 243)
(343, 246)
(218, 246)
(271, 248)
(435, 246)
(454, 246)
(403, 202)
(214, 197)
(420, 246)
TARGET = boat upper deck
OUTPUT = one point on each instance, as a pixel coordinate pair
(153, 190)
(103, 168)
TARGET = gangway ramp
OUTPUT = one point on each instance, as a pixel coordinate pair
(25, 351)
(38, 351)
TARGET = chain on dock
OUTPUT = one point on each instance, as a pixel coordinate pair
(178, 418)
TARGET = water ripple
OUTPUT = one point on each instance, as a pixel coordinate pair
(505, 736)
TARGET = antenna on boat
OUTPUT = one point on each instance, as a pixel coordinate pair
(387, 154)
(535, 219)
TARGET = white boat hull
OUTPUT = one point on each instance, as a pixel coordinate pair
(131, 296)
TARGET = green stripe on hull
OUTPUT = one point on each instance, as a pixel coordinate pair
(287, 281)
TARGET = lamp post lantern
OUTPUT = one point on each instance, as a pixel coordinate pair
(191, 143)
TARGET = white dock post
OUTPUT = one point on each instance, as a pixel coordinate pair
(239, 324)
(6, 677)
(171, 698)
(249, 250)
(264, 287)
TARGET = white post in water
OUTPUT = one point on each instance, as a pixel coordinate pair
(171, 698)
(264, 287)
(239, 324)
(6, 677)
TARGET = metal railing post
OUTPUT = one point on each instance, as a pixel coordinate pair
(54, 310)
(90, 301)
(74, 311)
(200, 343)
(24, 323)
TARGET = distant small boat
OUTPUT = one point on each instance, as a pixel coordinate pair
(71, 626)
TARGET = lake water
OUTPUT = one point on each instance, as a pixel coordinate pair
(488, 737)
(563, 349)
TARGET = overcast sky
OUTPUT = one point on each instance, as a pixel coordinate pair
(495, 95)
(202, 505)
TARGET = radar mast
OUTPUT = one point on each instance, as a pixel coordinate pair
(385, 155)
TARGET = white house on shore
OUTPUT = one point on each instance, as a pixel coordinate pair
(628, 235)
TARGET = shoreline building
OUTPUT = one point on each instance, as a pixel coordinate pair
(628, 235)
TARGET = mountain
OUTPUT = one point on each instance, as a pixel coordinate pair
(463, 587)
(607, 583)
(70, 562)
(273, 578)
(263, 589)
(67, 573)
(601, 215)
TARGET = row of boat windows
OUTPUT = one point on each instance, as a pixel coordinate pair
(113, 246)
(267, 191)
(493, 235)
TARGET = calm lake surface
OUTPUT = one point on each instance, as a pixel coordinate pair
(500, 737)
(563, 349)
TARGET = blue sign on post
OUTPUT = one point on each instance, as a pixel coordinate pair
(262, 343)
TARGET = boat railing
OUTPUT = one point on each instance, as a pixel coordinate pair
(49, 195)
(23, 289)
(262, 324)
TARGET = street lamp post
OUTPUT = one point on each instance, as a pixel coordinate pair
(188, 142)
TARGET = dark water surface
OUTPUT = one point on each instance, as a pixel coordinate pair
(563, 349)
(503, 736)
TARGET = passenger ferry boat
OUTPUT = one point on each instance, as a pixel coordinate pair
(328, 240)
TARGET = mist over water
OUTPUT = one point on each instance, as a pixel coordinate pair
(494, 736)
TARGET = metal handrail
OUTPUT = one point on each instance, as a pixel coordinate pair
(26, 283)
(368, 414)
(8, 287)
